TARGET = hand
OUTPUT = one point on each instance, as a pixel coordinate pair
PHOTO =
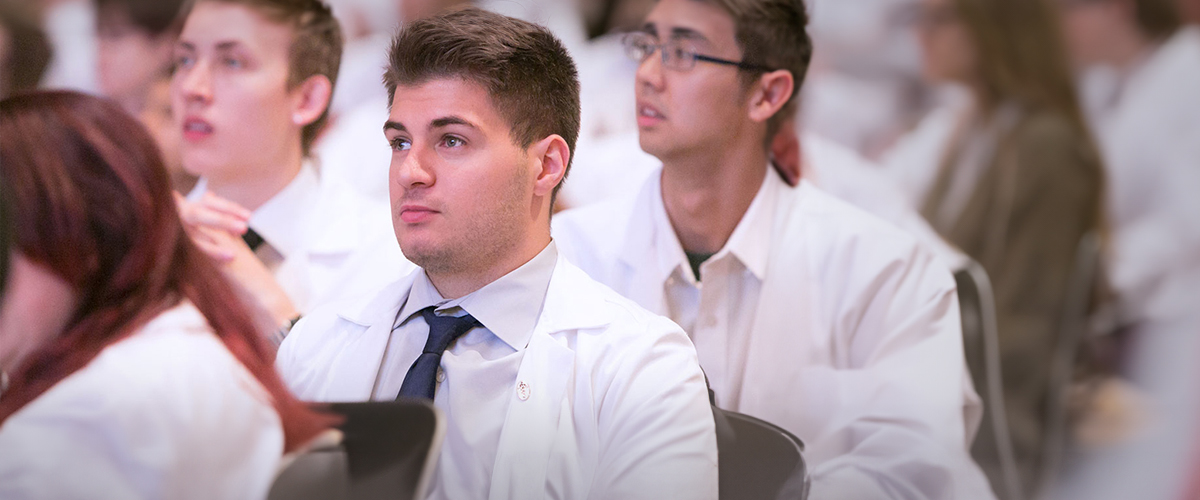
(216, 226)
(785, 153)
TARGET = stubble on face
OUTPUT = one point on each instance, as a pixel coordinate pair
(480, 241)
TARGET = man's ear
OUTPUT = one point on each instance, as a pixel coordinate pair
(310, 99)
(554, 156)
(770, 94)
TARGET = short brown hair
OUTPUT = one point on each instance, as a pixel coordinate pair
(316, 46)
(526, 70)
(774, 34)
(156, 17)
(1158, 19)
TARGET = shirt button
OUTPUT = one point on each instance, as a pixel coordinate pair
(523, 391)
(441, 375)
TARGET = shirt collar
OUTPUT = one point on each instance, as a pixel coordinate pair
(282, 221)
(508, 307)
(750, 241)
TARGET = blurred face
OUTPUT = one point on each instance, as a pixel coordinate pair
(694, 110)
(129, 59)
(36, 306)
(947, 49)
(1088, 26)
(229, 94)
(156, 115)
(462, 191)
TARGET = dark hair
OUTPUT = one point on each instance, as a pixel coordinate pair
(774, 34)
(1158, 19)
(527, 72)
(156, 17)
(316, 46)
(29, 50)
(92, 203)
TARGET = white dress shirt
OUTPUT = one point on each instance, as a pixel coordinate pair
(477, 370)
(817, 317)
(322, 239)
(168, 412)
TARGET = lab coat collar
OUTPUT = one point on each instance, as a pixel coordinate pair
(287, 220)
(508, 307)
(650, 230)
(567, 305)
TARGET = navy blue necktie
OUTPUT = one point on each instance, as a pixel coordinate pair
(421, 379)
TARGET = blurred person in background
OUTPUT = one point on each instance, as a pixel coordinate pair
(135, 41)
(252, 84)
(135, 38)
(134, 373)
(1019, 186)
(24, 49)
(1139, 74)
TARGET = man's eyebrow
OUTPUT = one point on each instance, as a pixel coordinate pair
(228, 45)
(186, 46)
(688, 34)
(450, 120)
(391, 125)
(650, 29)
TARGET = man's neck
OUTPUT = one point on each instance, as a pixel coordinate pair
(1128, 48)
(706, 195)
(264, 182)
(461, 282)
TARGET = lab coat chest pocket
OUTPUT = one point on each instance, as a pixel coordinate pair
(533, 431)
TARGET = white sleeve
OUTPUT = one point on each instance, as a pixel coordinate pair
(123, 428)
(656, 427)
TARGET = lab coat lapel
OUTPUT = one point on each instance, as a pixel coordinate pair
(647, 266)
(353, 372)
(782, 329)
(536, 404)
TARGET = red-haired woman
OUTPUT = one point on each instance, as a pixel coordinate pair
(133, 370)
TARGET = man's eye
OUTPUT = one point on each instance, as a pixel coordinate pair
(453, 142)
(184, 61)
(231, 62)
(401, 144)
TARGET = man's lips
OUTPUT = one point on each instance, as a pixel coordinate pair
(648, 115)
(413, 214)
(196, 129)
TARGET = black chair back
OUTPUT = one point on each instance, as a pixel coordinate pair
(758, 460)
(388, 451)
(981, 344)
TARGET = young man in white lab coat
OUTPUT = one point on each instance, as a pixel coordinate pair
(805, 312)
(556, 386)
(252, 83)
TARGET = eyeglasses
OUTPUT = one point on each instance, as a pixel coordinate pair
(676, 54)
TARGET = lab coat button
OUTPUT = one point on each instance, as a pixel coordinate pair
(522, 391)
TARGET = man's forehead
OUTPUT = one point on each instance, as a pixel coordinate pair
(689, 20)
(430, 102)
(216, 22)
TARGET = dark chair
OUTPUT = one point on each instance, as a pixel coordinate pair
(981, 344)
(387, 451)
(758, 460)
(1073, 334)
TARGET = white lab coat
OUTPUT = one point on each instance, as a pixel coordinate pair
(857, 344)
(165, 413)
(1145, 128)
(613, 402)
(334, 240)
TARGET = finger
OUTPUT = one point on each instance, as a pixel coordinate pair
(220, 204)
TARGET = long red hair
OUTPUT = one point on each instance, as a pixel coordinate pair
(92, 202)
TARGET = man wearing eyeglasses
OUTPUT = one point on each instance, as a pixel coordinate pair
(805, 312)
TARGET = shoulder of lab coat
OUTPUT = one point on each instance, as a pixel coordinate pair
(840, 171)
(858, 347)
(166, 413)
(351, 246)
(633, 422)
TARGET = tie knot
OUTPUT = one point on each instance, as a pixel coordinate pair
(445, 329)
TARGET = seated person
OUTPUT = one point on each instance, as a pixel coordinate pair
(252, 83)
(134, 373)
(806, 312)
(134, 43)
(556, 386)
